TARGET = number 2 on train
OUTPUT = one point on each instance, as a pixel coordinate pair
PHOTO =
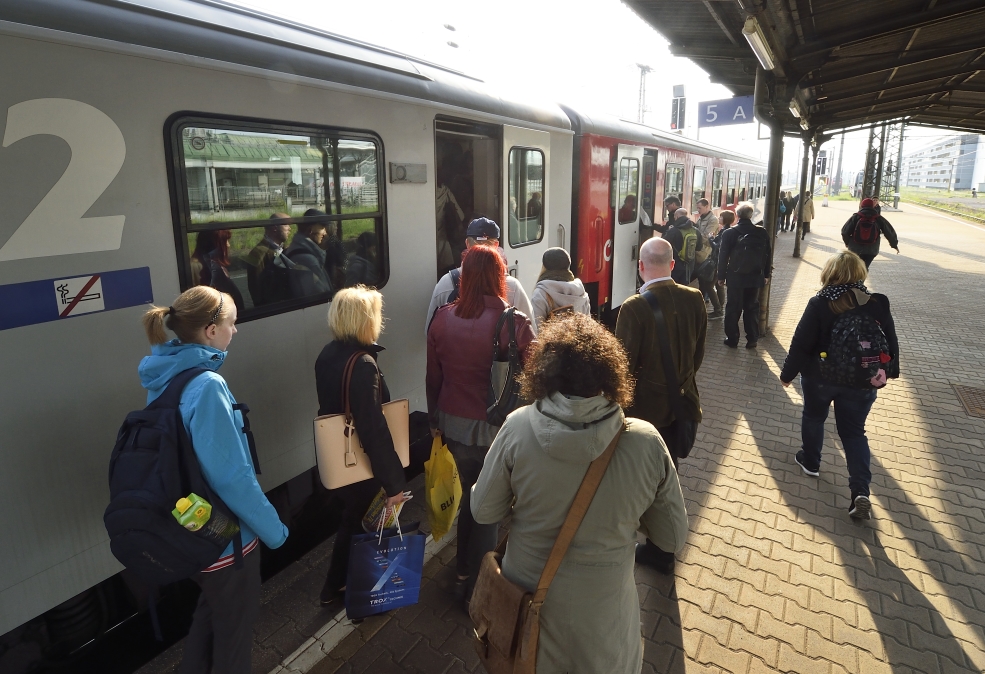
(56, 226)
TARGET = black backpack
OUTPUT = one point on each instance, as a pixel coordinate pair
(749, 253)
(866, 230)
(504, 385)
(456, 279)
(857, 350)
(152, 466)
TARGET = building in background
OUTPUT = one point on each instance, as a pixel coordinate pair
(952, 163)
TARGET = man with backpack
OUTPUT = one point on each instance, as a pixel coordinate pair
(685, 239)
(744, 266)
(862, 231)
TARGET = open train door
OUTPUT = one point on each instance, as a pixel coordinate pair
(624, 192)
(526, 156)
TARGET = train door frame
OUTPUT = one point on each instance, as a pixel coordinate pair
(524, 256)
(625, 233)
(649, 186)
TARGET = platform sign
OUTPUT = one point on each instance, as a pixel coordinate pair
(738, 110)
(54, 299)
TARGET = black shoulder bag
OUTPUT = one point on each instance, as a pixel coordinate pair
(504, 389)
(680, 434)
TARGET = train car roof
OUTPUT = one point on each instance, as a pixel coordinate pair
(218, 30)
(604, 125)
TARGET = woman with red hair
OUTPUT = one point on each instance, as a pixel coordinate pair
(460, 357)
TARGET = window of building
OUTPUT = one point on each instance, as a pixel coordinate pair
(733, 178)
(527, 192)
(279, 216)
(629, 181)
(698, 186)
(716, 187)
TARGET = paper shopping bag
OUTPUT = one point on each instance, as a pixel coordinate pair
(442, 488)
(384, 571)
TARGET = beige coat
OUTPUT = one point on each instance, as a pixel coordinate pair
(590, 622)
(808, 214)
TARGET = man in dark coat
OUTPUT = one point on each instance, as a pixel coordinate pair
(687, 324)
(744, 266)
(685, 240)
(854, 236)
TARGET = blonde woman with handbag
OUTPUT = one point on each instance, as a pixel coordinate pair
(355, 318)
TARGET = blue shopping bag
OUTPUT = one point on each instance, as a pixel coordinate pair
(384, 571)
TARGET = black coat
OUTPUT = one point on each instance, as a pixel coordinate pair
(727, 243)
(813, 335)
(367, 393)
(885, 230)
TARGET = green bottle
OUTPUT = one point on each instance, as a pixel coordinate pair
(192, 512)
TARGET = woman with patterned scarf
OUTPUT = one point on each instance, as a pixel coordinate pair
(827, 326)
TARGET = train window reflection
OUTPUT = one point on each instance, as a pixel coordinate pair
(674, 185)
(716, 188)
(279, 218)
(732, 181)
(742, 186)
(698, 187)
(526, 196)
(629, 184)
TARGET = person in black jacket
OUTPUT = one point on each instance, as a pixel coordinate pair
(842, 291)
(355, 317)
(685, 240)
(744, 266)
(868, 213)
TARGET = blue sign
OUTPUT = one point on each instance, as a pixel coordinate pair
(57, 298)
(726, 111)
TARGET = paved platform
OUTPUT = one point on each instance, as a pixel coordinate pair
(775, 576)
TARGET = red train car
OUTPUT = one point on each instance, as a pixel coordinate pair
(621, 174)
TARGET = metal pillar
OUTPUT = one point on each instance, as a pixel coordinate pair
(841, 153)
(880, 167)
(899, 165)
(774, 177)
(892, 158)
(873, 164)
(803, 187)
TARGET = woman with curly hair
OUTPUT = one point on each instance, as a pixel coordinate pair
(578, 377)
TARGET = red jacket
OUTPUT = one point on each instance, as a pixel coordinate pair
(460, 358)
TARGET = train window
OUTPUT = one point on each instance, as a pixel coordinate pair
(732, 182)
(629, 181)
(526, 196)
(716, 188)
(674, 183)
(698, 186)
(279, 216)
(742, 186)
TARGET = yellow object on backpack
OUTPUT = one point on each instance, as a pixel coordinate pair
(442, 488)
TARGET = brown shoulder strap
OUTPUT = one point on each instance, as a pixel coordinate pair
(579, 507)
(350, 365)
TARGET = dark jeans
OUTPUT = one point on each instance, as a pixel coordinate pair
(745, 301)
(220, 640)
(867, 259)
(709, 291)
(356, 497)
(474, 540)
(852, 406)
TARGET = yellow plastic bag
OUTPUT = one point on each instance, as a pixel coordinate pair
(442, 488)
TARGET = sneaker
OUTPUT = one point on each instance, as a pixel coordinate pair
(715, 315)
(861, 505)
(329, 595)
(799, 458)
(729, 344)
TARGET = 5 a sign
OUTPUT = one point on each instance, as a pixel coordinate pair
(726, 111)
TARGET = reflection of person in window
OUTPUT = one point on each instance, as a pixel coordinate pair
(362, 266)
(514, 221)
(306, 252)
(535, 207)
(444, 199)
(334, 253)
(210, 263)
(627, 212)
(267, 270)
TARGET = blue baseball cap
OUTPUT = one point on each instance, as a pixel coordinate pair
(481, 229)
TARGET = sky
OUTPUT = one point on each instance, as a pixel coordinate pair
(561, 51)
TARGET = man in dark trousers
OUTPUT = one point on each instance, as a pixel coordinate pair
(687, 325)
(862, 232)
(744, 266)
(685, 240)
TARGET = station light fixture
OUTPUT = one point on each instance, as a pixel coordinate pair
(753, 33)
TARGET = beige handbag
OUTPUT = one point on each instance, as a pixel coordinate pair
(341, 458)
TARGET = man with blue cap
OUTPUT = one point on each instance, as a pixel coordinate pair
(481, 232)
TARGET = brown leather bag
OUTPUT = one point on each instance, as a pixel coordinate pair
(506, 616)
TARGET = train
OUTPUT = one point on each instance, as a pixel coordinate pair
(146, 147)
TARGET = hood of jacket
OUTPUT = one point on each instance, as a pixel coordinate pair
(575, 429)
(302, 244)
(171, 358)
(562, 290)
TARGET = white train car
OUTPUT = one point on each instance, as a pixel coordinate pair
(144, 148)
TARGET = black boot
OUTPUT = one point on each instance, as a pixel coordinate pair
(650, 555)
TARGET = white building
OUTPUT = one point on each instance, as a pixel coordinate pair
(953, 163)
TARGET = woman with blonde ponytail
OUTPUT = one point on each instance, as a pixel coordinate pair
(204, 322)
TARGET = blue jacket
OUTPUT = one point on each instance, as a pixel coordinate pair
(216, 433)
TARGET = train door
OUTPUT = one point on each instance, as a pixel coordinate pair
(527, 155)
(649, 188)
(626, 172)
(467, 184)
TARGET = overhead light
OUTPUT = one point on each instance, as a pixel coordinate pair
(794, 109)
(754, 36)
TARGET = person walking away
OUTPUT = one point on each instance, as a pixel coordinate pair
(841, 319)
(459, 361)
(557, 290)
(705, 261)
(579, 380)
(686, 242)
(481, 232)
(355, 318)
(789, 205)
(807, 215)
(687, 324)
(744, 266)
(305, 251)
(862, 231)
(204, 320)
(727, 219)
(782, 212)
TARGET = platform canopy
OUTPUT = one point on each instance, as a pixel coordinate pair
(838, 63)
